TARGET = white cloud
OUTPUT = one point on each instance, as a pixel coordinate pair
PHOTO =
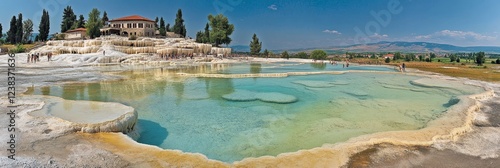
(332, 31)
(273, 7)
(378, 36)
(457, 35)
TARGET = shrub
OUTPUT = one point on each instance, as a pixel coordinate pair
(318, 55)
(387, 60)
(19, 49)
(493, 62)
(498, 61)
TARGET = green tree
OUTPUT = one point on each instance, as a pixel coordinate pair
(432, 56)
(105, 18)
(255, 45)
(285, 55)
(1, 31)
(11, 34)
(206, 34)
(94, 23)
(221, 30)
(265, 53)
(156, 23)
(387, 60)
(480, 59)
(27, 30)
(37, 38)
(302, 55)
(179, 27)
(498, 61)
(163, 32)
(167, 28)
(19, 26)
(458, 59)
(410, 57)
(397, 56)
(453, 58)
(44, 26)
(318, 55)
(69, 18)
(421, 57)
(199, 37)
(373, 56)
(81, 22)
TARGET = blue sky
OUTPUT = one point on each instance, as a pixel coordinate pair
(286, 24)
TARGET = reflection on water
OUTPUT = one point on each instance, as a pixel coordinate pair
(190, 114)
(319, 66)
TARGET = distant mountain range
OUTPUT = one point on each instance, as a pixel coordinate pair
(384, 46)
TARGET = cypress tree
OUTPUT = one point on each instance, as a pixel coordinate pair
(1, 31)
(44, 26)
(11, 34)
(156, 23)
(162, 27)
(105, 18)
(19, 26)
(179, 27)
(207, 34)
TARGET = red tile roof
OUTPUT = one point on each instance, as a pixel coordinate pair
(76, 30)
(132, 18)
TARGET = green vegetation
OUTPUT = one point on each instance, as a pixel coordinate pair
(1, 35)
(204, 37)
(318, 55)
(18, 49)
(285, 55)
(156, 23)
(104, 18)
(19, 27)
(44, 27)
(221, 30)
(11, 34)
(94, 23)
(387, 60)
(163, 32)
(80, 23)
(27, 30)
(480, 59)
(265, 53)
(302, 55)
(179, 27)
(255, 45)
(69, 18)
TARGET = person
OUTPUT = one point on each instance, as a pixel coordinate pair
(104, 52)
(404, 67)
(29, 57)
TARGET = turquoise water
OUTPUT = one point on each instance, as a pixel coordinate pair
(231, 119)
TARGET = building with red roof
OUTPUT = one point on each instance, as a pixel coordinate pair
(133, 25)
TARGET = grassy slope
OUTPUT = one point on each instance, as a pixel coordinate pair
(469, 70)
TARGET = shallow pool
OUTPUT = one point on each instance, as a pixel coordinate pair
(231, 119)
